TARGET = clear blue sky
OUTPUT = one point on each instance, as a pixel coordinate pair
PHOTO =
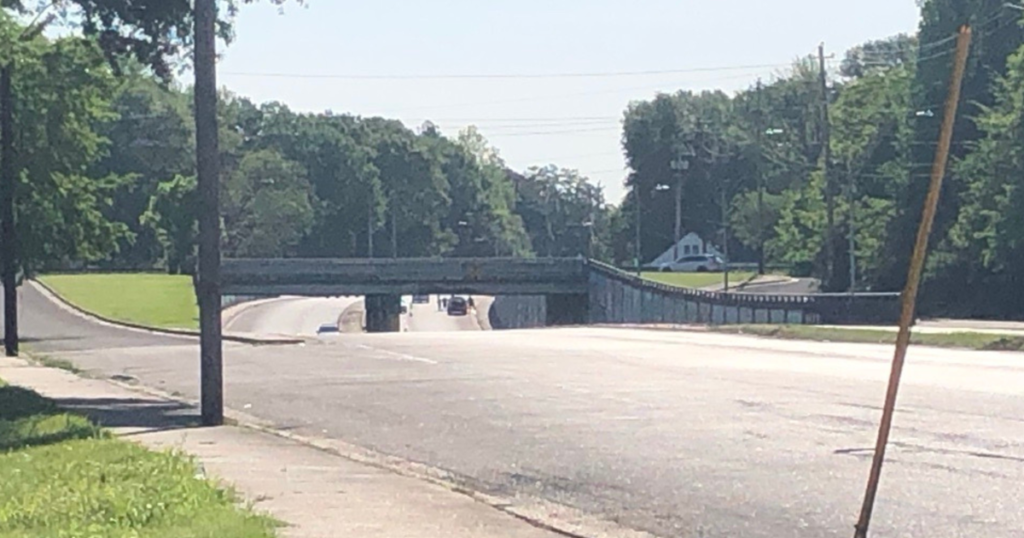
(571, 122)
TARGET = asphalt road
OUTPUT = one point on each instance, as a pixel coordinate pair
(301, 316)
(292, 316)
(679, 434)
(46, 326)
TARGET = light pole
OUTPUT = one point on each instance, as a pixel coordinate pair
(588, 251)
(679, 165)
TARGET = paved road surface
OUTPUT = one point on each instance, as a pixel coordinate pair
(292, 316)
(427, 318)
(680, 434)
(47, 326)
(301, 316)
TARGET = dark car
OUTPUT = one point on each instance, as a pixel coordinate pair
(458, 306)
(328, 328)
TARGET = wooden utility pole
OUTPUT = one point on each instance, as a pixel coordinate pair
(8, 183)
(725, 237)
(760, 178)
(637, 250)
(826, 162)
(208, 175)
(852, 237)
(394, 234)
(369, 231)
(914, 278)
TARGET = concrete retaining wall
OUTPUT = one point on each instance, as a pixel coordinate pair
(621, 298)
(518, 312)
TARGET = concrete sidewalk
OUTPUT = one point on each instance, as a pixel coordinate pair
(316, 493)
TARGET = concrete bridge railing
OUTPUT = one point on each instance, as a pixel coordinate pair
(619, 297)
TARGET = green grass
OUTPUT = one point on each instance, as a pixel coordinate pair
(59, 364)
(153, 300)
(964, 340)
(698, 280)
(61, 476)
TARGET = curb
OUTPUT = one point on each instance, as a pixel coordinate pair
(54, 296)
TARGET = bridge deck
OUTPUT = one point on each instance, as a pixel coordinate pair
(485, 276)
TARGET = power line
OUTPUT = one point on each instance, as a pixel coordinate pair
(504, 76)
(569, 119)
(660, 87)
(560, 132)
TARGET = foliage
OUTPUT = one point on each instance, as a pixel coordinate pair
(61, 476)
(563, 213)
(62, 89)
(267, 207)
(171, 216)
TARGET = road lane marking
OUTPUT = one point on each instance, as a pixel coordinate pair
(396, 355)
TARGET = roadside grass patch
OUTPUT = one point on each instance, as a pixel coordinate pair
(62, 476)
(59, 364)
(963, 340)
(697, 280)
(153, 300)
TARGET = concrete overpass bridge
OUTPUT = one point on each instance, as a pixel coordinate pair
(563, 281)
(577, 291)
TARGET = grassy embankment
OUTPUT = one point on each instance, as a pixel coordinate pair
(153, 300)
(698, 280)
(62, 476)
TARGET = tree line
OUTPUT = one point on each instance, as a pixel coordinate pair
(825, 175)
(810, 170)
(108, 179)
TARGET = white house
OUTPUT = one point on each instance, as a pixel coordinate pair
(690, 245)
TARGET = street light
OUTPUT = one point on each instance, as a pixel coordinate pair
(679, 165)
(589, 225)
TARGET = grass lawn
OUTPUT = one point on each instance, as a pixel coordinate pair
(697, 280)
(61, 476)
(965, 340)
(154, 300)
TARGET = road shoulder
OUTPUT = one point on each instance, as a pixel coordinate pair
(318, 494)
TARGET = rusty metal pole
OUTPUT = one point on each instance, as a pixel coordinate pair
(208, 168)
(914, 278)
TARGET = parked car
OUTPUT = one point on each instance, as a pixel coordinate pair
(328, 328)
(702, 263)
(420, 299)
(458, 306)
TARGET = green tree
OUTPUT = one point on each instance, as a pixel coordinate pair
(267, 208)
(172, 216)
(63, 88)
(986, 244)
(563, 212)
(996, 35)
(151, 140)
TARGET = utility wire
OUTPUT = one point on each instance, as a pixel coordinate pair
(506, 76)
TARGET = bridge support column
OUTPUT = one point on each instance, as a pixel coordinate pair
(383, 313)
(568, 309)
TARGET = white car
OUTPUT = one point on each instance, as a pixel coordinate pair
(701, 263)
